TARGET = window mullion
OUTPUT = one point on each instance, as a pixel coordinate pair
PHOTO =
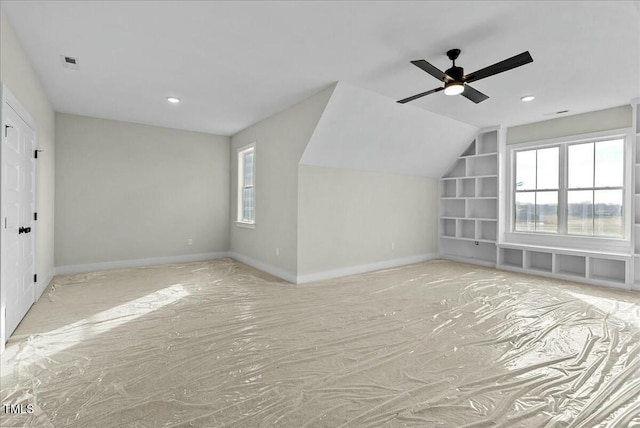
(563, 210)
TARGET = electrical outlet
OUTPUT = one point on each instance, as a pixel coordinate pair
(278, 252)
(189, 241)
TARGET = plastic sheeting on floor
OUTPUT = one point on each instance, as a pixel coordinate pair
(217, 343)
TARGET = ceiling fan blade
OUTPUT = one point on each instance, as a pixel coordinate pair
(473, 94)
(414, 97)
(432, 70)
(499, 67)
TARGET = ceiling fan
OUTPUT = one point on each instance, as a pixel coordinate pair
(457, 83)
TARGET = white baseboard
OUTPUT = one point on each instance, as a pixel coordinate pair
(469, 260)
(265, 267)
(44, 283)
(125, 264)
(369, 267)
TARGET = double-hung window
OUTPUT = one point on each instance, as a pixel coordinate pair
(536, 190)
(570, 189)
(246, 185)
(595, 188)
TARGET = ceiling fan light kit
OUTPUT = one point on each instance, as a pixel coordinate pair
(453, 88)
(457, 83)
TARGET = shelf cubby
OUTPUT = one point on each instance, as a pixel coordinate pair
(467, 187)
(538, 260)
(567, 264)
(511, 257)
(448, 188)
(470, 151)
(467, 229)
(487, 143)
(607, 269)
(482, 165)
(458, 169)
(487, 230)
(452, 207)
(482, 208)
(487, 187)
(448, 227)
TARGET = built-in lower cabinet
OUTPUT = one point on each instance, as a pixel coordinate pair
(608, 269)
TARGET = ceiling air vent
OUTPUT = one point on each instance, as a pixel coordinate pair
(553, 113)
(70, 62)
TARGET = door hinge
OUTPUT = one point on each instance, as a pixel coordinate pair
(5, 129)
(35, 277)
(35, 216)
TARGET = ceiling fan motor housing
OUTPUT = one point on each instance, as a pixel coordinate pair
(455, 73)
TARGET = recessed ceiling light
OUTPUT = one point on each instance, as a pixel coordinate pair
(528, 98)
(173, 100)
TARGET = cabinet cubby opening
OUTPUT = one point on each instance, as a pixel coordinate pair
(607, 269)
(571, 265)
(471, 150)
(467, 187)
(511, 257)
(483, 208)
(539, 261)
(487, 187)
(448, 188)
(467, 229)
(449, 227)
(488, 143)
(458, 169)
(487, 230)
(484, 165)
(452, 208)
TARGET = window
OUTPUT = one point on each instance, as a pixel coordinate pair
(572, 189)
(246, 185)
(536, 191)
(595, 188)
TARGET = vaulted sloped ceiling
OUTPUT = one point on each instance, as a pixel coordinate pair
(362, 130)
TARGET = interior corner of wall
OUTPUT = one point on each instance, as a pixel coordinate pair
(330, 91)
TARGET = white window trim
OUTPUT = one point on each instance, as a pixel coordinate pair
(596, 243)
(240, 178)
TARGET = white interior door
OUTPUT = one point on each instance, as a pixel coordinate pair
(18, 207)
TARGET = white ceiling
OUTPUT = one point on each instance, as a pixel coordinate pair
(235, 63)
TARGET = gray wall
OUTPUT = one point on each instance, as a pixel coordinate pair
(16, 72)
(600, 120)
(280, 141)
(350, 218)
(126, 191)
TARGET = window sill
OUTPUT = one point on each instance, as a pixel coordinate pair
(245, 225)
(586, 243)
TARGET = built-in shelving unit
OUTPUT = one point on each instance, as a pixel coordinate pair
(608, 269)
(613, 269)
(469, 203)
(635, 105)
